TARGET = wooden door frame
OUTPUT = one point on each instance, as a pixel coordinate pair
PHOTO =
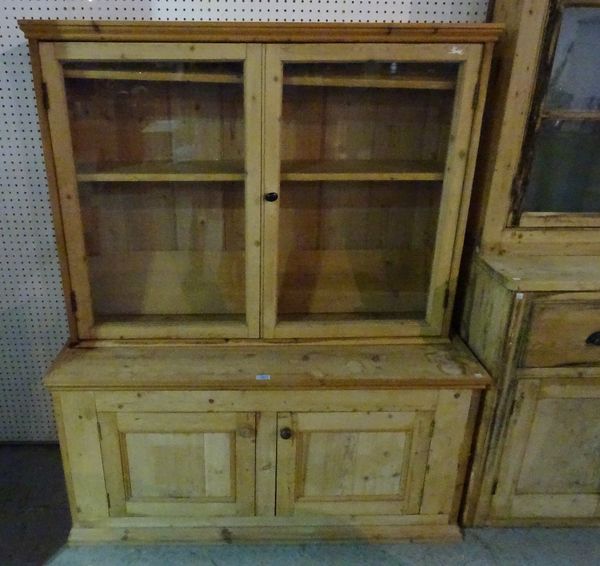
(452, 205)
(52, 54)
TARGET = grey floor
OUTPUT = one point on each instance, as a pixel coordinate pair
(34, 524)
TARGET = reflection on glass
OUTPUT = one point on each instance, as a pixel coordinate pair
(132, 119)
(159, 152)
(575, 79)
(363, 149)
(565, 173)
(352, 250)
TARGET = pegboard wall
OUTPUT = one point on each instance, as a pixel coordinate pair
(33, 324)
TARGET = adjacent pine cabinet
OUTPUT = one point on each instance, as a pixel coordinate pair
(532, 309)
(241, 210)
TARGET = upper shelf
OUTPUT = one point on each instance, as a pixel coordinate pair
(164, 171)
(361, 170)
(72, 30)
(151, 75)
(216, 171)
(411, 80)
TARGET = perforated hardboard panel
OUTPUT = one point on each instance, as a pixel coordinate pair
(33, 325)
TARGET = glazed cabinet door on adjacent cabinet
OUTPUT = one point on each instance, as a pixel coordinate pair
(178, 464)
(364, 163)
(157, 158)
(551, 458)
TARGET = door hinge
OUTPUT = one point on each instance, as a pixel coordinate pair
(108, 499)
(45, 99)
(73, 298)
(99, 431)
(431, 428)
(446, 297)
(476, 96)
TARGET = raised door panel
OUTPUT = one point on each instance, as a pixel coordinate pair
(352, 463)
(551, 462)
(179, 464)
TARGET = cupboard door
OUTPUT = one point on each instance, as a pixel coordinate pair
(352, 463)
(157, 150)
(551, 462)
(365, 155)
(179, 464)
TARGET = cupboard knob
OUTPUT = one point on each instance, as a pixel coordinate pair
(285, 433)
(271, 197)
(593, 339)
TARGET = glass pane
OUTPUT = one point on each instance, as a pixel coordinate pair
(159, 152)
(351, 250)
(575, 79)
(565, 173)
(363, 148)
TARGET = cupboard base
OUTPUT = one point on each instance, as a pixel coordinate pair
(266, 532)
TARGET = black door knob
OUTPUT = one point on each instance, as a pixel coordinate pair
(285, 433)
(593, 339)
(271, 197)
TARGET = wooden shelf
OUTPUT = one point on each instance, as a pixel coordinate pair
(165, 171)
(159, 76)
(404, 81)
(401, 80)
(361, 170)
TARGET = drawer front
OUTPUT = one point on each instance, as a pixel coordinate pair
(563, 330)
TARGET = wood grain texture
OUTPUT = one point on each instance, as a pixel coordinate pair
(81, 445)
(179, 464)
(551, 460)
(206, 367)
(555, 272)
(65, 30)
(559, 326)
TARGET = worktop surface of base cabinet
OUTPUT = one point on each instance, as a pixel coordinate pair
(538, 450)
(382, 461)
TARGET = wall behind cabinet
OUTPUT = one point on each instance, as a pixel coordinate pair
(33, 324)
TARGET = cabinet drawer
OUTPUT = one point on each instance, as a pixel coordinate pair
(561, 330)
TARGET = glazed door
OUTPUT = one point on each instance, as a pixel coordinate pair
(179, 464)
(364, 164)
(551, 459)
(157, 155)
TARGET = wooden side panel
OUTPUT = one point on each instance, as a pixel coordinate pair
(81, 448)
(184, 464)
(551, 461)
(485, 318)
(443, 465)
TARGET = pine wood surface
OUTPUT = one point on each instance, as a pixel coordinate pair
(230, 367)
(544, 272)
(69, 30)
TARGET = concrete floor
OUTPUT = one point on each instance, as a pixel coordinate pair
(34, 524)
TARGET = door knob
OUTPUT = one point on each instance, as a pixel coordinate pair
(285, 433)
(271, 197)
